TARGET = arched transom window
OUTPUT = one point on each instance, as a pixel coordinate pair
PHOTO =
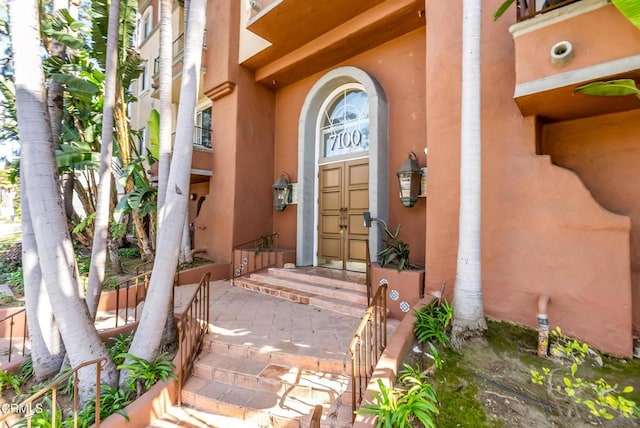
(344, 122)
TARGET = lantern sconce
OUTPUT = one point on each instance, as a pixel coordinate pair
(282, 192)
(409, 180)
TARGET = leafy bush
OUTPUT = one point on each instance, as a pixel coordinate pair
(396, 252)
(414, 400)
(129, 253)
(112, 400)
(143, 374)
(118, 346)
(11, 380)
(432, 322)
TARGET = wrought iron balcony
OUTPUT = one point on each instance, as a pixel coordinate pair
(202, 137)
(177, 50)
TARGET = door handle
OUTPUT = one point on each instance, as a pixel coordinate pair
(343, 218)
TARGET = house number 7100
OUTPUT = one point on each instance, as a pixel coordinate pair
(346, 139)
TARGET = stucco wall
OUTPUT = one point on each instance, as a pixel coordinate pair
(541, 229)
(605, 153)
(399, 68)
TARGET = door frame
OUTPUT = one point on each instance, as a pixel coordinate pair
(308, 158)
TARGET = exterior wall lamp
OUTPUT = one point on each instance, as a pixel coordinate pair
(282, 192)
(368, 220)
(409, 178)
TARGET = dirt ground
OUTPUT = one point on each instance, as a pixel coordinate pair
(488, 384)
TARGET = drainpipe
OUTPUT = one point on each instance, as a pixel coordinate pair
(543, 326)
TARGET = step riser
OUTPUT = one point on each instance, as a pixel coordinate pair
(317, 393)
(358, 297)
(354, 311)
(298, 297)
(250, 415)
(299, 361)
(290, 273)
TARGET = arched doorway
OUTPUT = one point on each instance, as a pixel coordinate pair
(351, 178)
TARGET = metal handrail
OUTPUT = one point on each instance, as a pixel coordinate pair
(141, 284)
(144, 267)
(255, 247)
(192, 327)
(11, 320)
(368, 343)
(27, 406)
(526, 9)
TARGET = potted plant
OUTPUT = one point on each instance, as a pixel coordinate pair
(404, 279)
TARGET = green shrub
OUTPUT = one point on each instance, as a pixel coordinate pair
(129, 253)
(414, 400)
(118, 346)
(143, 374)
(11, 380)
(432, 322)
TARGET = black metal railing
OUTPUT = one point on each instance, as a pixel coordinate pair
(9, 323)
(177, 49)
(527, 9)
(201, 137)
(367, 345)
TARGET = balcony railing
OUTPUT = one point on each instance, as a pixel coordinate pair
(527, 8)
(201, 137)
(177, 49)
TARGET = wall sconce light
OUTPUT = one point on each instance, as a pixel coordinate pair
(281, 192)
(193, 196)
(368, 220)
(409, 177)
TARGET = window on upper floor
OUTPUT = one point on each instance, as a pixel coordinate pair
(202, 132)
(143, 79)
(145, 24)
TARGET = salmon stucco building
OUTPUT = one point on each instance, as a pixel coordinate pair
(334, 96)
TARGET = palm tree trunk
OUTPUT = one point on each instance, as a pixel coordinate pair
(146, 342)
(468, 315)
(54, 247)
(47, 349)
(164, 156)
(124, 148)
(101, 222)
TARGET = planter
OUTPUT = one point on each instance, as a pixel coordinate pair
(404, 288)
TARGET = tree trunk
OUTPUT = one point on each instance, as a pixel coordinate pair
(54, 247)
(185, 246)
(47, 349)
(122, 129)
(164, 153)
(101, 222)
(146, 342)
(468, 313)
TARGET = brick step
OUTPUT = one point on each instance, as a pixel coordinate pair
(263, 408)
(340, 364)
(358, 283)
(312, 284)
(263, 376)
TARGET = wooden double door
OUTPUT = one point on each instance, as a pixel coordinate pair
(344, 196)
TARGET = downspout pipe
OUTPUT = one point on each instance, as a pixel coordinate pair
(543, 325)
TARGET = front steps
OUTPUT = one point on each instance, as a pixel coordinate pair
(335, 294)
(268, 389)
(267, 362)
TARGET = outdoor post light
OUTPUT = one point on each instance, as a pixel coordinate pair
(409, 177)
(281, 192)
